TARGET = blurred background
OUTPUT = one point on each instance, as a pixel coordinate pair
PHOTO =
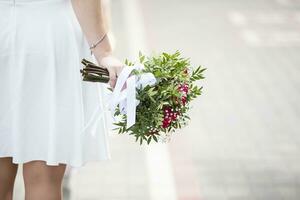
(243, 141)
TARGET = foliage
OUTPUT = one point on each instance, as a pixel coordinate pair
(163, 107)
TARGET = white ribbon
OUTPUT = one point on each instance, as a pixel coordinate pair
(126, 99)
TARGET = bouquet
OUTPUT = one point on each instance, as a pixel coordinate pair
(162, 87)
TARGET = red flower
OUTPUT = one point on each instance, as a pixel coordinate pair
(174, 115)
(166, 123)
(183, 100)
(169, 116)
(184, 88)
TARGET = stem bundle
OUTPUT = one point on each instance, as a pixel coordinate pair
(94, 73)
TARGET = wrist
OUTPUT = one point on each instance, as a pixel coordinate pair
(103, 49)
(102, 54)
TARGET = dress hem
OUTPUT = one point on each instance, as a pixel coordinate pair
(56, 163)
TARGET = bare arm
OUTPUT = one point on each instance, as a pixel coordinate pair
(90, 17)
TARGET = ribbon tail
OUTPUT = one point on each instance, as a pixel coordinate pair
(115, 97)
(131, 101)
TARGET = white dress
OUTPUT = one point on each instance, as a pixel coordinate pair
(46, 111)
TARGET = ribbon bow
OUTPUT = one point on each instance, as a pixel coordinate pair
(126, 99)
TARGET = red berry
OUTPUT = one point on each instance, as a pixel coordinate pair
(183, 100)
(174, 116)
(183, 88)
(169, 116)
(166, 123)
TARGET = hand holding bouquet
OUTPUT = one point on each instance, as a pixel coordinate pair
(163, 89)
(113, 68)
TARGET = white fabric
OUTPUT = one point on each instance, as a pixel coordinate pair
(46, 110)
(126, 98)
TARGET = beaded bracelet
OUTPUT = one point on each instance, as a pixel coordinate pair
(98, 42)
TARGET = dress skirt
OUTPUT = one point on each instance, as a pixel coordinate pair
(46, 111)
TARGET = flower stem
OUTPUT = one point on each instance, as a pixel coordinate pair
(94, 73)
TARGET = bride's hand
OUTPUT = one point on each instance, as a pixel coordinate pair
(114, 67)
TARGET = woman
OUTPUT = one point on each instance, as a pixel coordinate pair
(46, 110)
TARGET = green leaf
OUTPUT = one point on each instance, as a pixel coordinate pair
(141, 140)
(155, 138)
(149, 140)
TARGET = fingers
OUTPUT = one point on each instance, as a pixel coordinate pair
(114, 67)
(114, 73)
(112, 77)
(119, 70)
